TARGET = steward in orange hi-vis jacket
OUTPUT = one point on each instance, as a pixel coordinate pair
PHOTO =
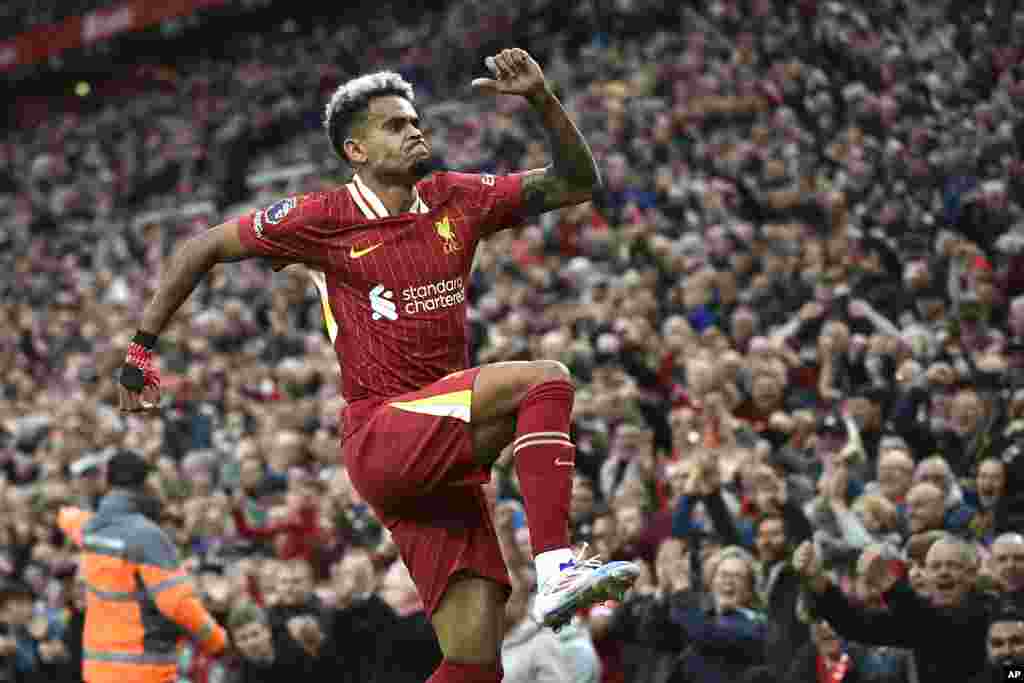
(140, 601)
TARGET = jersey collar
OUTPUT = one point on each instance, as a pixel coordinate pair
(371, 205)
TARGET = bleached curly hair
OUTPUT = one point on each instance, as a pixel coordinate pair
(347, 106)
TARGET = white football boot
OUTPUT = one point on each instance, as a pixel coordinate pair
(581, 584)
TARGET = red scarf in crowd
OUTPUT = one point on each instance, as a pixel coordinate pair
(833, 672)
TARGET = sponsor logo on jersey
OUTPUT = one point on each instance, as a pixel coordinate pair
(276, 212)
(433, 297)
(487, 179)
(447, 234)
(381, 303)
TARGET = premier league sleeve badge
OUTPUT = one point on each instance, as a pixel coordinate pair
(276, 212)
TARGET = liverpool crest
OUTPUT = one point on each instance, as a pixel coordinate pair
(447, 235)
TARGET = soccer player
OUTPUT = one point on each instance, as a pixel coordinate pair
(393, 251)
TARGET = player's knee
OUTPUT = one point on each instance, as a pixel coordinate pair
(552, 371)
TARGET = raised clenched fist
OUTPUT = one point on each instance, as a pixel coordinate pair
(704, 478)
(711, 478)
(692, 484)
(803, 557)
(781, 422)
(838, 485)
(940, 374)
(515, 73)
(811, 311)
(305, 631)
(808, 565)
(877, 568)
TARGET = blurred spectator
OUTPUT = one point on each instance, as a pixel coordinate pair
(577, 647)
(950, 567)
(1008, 566)
(265, 657)
(19, 648)
(1005, 645)
(530, 652)
(294, 596)
(727, 634)
(361, 622)
(297, 535)
(411, 632)
(826, 654)
(651, 641)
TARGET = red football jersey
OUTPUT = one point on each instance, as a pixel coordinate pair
(395, 285)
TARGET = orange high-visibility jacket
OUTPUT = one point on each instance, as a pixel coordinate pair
(139, 599)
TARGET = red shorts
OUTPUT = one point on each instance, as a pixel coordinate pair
(412, 461)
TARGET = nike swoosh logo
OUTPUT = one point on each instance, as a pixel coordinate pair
(564, 463)
(360, 253)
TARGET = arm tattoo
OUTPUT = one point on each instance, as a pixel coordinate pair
(573, 176)
(543, 190)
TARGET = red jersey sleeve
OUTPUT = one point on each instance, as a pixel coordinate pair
(298, 229)
(491, 202)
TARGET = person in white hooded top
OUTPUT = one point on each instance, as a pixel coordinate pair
(530, 653)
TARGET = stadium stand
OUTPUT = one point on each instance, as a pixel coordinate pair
(800, 297)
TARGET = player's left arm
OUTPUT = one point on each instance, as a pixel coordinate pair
(573, 176)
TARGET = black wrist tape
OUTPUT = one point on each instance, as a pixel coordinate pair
(132, 378)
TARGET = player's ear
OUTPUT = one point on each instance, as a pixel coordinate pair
(354, 150)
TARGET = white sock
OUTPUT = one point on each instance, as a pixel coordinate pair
(548, 563)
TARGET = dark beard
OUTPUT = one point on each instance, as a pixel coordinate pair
(423, 167)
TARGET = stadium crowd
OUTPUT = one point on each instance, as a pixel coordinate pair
(19, 17)
(796, 313)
